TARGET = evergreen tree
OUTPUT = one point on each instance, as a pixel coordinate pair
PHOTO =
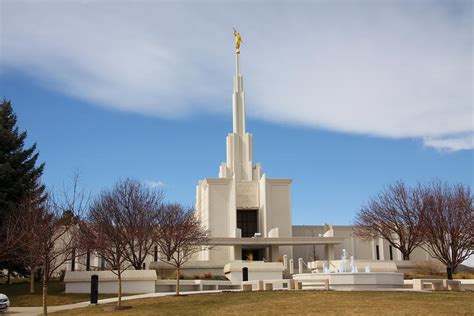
(19, 175)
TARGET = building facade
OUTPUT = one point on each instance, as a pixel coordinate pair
(243, 202)
(249, 216)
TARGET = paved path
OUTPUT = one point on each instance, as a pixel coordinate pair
(39, 310)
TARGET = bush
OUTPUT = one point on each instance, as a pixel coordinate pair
(429, 268)
(462, 275)
(62, 274)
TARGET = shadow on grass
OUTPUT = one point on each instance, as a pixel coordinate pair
(19, 294)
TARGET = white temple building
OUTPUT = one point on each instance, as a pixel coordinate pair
(249, 217)
(243, 209)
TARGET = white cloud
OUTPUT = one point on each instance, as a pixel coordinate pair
(154, 184)
(400, 70)
(451, 143)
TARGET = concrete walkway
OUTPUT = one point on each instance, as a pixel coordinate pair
(51, 309)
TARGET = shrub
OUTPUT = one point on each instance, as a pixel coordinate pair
(429, 268)
(462, 275)
(62, 274)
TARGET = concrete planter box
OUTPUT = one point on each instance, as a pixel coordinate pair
(375, 265)
(466, 284)
(258, 270)
(133, 281)
(354, 281)
(169, 285)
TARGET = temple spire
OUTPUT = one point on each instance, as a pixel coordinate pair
(238, 97)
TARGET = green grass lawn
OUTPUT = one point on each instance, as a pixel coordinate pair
(19, 294)
(299, 302)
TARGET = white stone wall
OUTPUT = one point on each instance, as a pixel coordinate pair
(133, 281)
(360, 249)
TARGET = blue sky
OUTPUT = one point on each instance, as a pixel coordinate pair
(334, 173)
(343, 99)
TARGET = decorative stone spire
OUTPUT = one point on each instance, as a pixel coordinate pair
(238, 101)
(239, 143)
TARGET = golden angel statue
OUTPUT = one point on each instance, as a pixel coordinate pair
(238, 40)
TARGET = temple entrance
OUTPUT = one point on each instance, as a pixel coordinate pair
(247, 221)
(253, 254)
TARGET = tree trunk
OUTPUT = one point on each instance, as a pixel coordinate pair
(119, 301)
(449, 270)
(406, 256)
(9, 276)
(177, 281)
(45, 296)
(32, 281)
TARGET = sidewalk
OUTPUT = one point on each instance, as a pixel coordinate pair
(51, 309)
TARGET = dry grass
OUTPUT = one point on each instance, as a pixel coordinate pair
(19, 294)
(460, 275)
(300, 303)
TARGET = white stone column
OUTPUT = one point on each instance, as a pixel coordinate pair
(275, 253)
(381, 249)
(300, 265)
(374, 253)
(398, 254)
(329, 253)
(235, 253)
(292, 267)
(353, 246)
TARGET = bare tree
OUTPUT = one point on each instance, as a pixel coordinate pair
(52, 238)
(73, 199)
(180, 236)
(448, 224)
(395, 215)
(102, 232)
(26, 212)
(122, 226)
(50, 233)
(13, 237)
(12, 246)
(140, 209)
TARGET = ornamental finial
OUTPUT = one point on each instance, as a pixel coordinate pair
(238, 40)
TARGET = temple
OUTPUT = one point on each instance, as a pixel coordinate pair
(248, 215)
(249, 219)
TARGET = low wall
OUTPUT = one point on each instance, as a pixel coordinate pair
(169, 285)
(257, 270)
(189, 269)
(466, 284)
(354, 281)
(375, 265)
(133, 281)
